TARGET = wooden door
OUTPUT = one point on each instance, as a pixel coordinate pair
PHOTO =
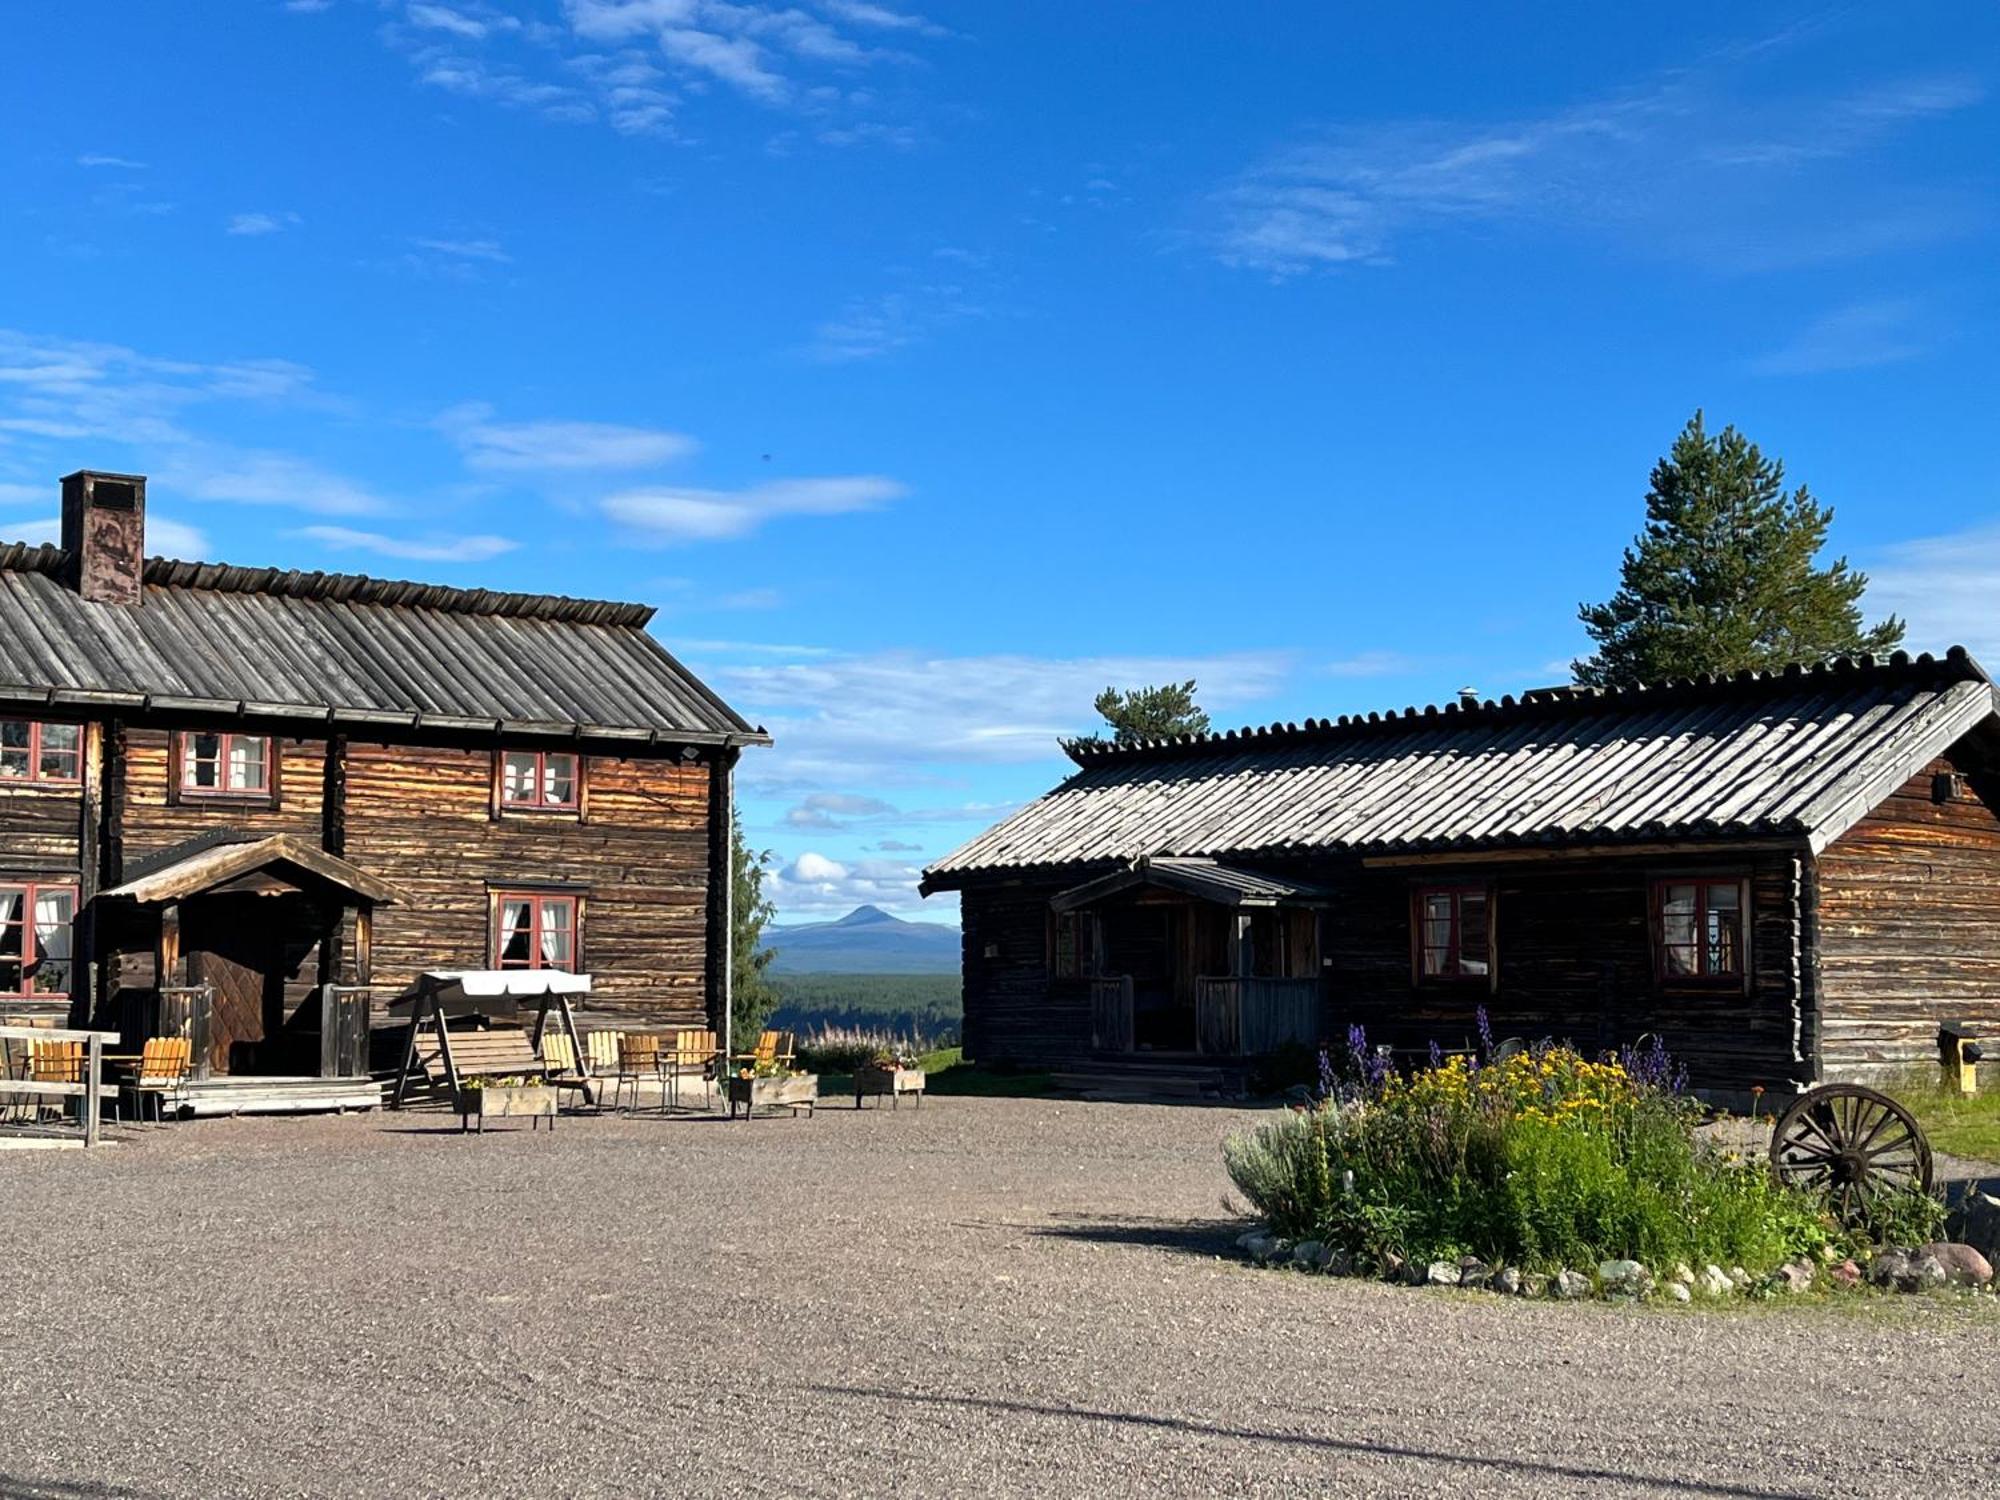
(235, 945)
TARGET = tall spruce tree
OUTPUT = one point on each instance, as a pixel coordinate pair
(752, 995)
(1723, 577)
(1150, 713)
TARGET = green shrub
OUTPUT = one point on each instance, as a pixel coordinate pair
(1540, 1160)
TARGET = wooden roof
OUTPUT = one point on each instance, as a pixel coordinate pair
(220, 864)
(348, 650)
(1205, 879)
(1804, 753)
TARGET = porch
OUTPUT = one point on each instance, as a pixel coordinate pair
(1194, 958)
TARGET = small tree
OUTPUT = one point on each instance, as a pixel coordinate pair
(1151, 713)
(1723, 576)
(752, 995)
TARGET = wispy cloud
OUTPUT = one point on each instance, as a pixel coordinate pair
(433, 549)
(121, 163)
(552, 446)
(815, 884)
(1857, 337)
(490, 251)
(662, 516)
(260, 223)
(1703, 165)
(283, 480)
(632, 63)
(1945, 587)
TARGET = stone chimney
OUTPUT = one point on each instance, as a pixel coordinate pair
(104, 532)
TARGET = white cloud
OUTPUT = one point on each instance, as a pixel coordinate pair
(260, 223)
(559, 445)
(480, 250)
(119, 162)
(165, 537)
(457, 22)
(666, 516)
(813, 884)
(1705, 165)
(437, 549)
(252, 477)
(1946, 587)
(1857, 337)
(893, 717)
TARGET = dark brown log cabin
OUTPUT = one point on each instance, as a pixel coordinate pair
(260, 783)
(1787, 878)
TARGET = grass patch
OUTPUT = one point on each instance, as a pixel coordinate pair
(1957, 1126)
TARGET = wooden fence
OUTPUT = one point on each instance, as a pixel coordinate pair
(1111, 1013)
(83, 1081)
(1248, 1017)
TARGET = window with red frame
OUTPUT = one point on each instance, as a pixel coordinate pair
(216, 763)
(36, 752)
(35, 939)
(1454, 933)
(1698, 928)
(535, 932)
(538, 779)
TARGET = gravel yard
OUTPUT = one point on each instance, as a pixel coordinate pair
(986, 1296)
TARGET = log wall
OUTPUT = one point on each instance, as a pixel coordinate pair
(1909, 904)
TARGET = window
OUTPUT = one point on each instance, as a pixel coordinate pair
(34, 939)
(219, 764)
(32, 751)
(535, 932)
(1698, 928)
(544, 780)
(1454, 927)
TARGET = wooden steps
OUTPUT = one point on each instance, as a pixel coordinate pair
(1138, 1080)
(278, 1096)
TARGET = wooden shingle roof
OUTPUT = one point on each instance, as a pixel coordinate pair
(348, 650)
(1802, 753)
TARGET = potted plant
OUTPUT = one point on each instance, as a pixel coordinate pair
(892, 1073)
(506, 1099)
(770, 1083)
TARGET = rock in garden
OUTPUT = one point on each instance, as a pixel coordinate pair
(1889, 1267)
(1683, 1273)
(1442, 1273)
(1339, 1263)
(1740, 1276)
(1534, 1284)
(1259, 1246)
(1846, 1274)
(1963, 1265)
(1508, 1281)
(1715, 1282)
(1393, 1267)
(1795, 1277)
(1926, 1271)
(1571, 1285)
(1473, 1272)
(1306, 1254)
(1624, 1278)
(1679, 1292)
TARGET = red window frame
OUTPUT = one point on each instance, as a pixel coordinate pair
(535, 802)
(1454, 947)
(30, 942)
(185, 762)
(1704, 887)
(537, 901)
(37, 732)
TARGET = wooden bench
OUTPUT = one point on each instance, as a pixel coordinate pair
(481, 1056)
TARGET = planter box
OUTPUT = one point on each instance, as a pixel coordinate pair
(796, 1093)
(895, 1082)
(533, 1102)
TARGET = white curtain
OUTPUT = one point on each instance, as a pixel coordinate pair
(555, 934)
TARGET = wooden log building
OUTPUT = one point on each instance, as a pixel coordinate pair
(1787, 877)
(260, 788)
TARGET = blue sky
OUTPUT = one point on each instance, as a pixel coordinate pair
(931, 367)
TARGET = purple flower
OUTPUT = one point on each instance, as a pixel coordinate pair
(1485, 1032)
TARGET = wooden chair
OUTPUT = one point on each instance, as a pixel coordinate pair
(165, 1066)
(695, 1054)
(559, 1057)
(774, 1048)
(54, 1062)
(638, 1057)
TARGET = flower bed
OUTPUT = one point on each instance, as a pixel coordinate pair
(1535, 1163)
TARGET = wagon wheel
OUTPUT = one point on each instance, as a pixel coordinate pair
(1853, 1144)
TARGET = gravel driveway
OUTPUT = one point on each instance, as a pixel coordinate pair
(987, 1296)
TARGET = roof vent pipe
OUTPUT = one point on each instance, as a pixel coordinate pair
(1468, 697)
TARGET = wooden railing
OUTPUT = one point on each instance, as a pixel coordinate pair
(344, 1011)
(1247, 1017)
(1111, 1013)
(79, 1073)
(188, 1010)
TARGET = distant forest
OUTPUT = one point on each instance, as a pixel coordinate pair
(924, 1003)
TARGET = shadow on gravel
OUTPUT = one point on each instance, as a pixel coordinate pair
(1205, 1237)
(14, 1488)
(1525, 1466)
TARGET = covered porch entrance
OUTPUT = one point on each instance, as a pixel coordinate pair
(258, 952)
(1195, 957)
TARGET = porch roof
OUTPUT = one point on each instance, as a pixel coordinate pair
(216, 865)
(1205, 879)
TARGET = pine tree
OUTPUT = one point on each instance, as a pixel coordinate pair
(752, 995)
(1150, 713)
(1723, 577)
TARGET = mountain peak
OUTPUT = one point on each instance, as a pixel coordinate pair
(864, 916)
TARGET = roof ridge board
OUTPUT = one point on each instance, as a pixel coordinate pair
(1955, 664)
(1910, 725)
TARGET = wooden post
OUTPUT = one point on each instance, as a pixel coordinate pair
(93, 1069)
(364, 944)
